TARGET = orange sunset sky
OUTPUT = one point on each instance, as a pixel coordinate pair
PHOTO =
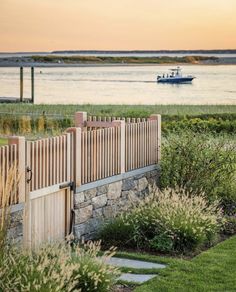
(46, 25)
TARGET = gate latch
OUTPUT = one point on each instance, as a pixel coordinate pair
(29, 170)
(70, 185)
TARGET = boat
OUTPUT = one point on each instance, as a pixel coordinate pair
(175, 77)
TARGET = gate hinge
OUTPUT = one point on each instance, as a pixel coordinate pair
(70, 185)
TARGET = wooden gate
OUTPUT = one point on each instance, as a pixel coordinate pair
(49, 190)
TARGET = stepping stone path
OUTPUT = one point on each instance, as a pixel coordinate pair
(135, 278)
(136, 264)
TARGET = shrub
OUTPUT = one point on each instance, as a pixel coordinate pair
(55, 268)
(210, 125)
(199, 163)
(230, 225)
(172, 220)
(116, 233)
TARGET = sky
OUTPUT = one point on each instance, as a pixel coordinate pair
(47, 25)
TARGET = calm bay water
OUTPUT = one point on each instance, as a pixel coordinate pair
(123, 85)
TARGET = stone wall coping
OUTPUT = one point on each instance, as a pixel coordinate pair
(15, 208)
(116, 178)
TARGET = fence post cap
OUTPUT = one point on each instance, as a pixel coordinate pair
(80, 119)
(15, 139)
(155, 116)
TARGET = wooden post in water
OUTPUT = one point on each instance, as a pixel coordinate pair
(32, 85)
(21, 84)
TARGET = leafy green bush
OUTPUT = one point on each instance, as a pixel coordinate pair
(199, 163)
(210, 125)
(171, 220)
(230, 225)
(56, 268)
(116, 233)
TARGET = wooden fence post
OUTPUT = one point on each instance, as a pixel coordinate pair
(158, 119)
(80, 120)
(121, 124)
(77, 139)
(20, 142)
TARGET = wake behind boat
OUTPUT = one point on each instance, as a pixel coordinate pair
(175, 77)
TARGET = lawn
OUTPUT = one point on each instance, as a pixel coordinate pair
(3, 141)
(212, 270)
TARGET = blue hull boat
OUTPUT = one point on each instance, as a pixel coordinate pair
(175, 77)
(176, 80)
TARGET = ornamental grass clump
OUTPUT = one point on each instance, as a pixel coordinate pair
(8, 197)
(173, 221)
(56, 267)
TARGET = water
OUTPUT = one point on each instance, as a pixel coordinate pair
(123, 85)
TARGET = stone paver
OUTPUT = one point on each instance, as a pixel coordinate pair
(136, 264)
(135, 278)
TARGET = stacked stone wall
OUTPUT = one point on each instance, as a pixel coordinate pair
(95, 206)
(15, 224)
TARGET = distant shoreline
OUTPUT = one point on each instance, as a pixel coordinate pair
(111, 61)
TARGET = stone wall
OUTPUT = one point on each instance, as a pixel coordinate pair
(15, 228)
(100, 203)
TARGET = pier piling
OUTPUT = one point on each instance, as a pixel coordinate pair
(21, 84)
(32, 85)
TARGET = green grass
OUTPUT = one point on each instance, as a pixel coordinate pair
(119, 110)
(3, 141)
(212, 270)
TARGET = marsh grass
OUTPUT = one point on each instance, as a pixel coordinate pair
(117, 110)
(43, 120)
(121, 60)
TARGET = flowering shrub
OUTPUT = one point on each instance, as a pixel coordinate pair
(173, 220)
(56, 267)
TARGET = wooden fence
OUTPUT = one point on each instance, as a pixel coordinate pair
(46, 160)
(95, 148)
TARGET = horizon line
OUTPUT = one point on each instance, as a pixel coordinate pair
(125, 51)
